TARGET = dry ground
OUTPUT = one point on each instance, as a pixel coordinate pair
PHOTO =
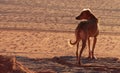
(50, 50)
(37, 32)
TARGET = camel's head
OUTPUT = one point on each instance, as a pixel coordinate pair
(85, 14)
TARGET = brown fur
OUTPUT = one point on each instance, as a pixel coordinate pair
(86, 29)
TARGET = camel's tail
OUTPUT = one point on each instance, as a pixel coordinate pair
(73, 43)
(70, 43)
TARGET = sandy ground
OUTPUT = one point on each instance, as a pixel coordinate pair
(42, 50)
(53, 43)
(37, 32)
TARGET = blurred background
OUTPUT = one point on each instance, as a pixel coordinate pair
(57, 15)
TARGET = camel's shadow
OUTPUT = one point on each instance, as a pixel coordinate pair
(70, 60)
(69, 63)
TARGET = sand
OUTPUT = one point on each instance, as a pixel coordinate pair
(37, 33)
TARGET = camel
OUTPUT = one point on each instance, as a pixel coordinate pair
(88, 27)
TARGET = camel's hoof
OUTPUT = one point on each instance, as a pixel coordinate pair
(89, 58)
(94, 58)
(79, 63)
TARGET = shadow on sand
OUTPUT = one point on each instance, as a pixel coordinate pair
(69, 64)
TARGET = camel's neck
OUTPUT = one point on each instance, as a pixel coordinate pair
(93, 19)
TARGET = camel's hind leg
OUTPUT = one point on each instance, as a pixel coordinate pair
(77, 50)
(89, 56)
(83, 46)
(78, 40)
(94, 43)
